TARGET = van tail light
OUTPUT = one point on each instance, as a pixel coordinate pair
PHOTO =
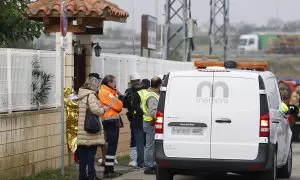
(265, 125)
(159, 123)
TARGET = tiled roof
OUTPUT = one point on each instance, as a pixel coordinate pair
(76, 8)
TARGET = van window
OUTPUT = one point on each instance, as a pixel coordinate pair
(251, 41)
(272, 91)
(243, 42)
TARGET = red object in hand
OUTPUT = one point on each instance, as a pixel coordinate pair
(291, 119)
(75, 158)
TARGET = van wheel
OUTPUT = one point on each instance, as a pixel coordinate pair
(164, 174)
(286, 170)
(271, 174)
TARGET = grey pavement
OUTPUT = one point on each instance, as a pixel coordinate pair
(118, 168)
(138, 175)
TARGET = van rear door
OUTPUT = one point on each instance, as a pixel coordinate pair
(187, 115)
(235, 116)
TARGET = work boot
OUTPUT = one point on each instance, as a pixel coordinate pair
(133, 157)
(149, 171)
(112, 175)
(132, 164)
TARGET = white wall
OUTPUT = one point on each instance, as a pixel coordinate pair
(121, 66)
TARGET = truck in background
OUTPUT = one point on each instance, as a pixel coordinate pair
(271, 43)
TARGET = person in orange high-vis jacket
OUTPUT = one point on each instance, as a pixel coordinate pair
(108, 96)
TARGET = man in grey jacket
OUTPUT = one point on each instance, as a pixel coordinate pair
(149, 102)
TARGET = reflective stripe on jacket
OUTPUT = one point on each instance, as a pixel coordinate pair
(109, 97)
(145, 95)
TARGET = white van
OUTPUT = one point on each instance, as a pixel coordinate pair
(222, 120)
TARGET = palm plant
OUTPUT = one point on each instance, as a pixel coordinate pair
(41, 84)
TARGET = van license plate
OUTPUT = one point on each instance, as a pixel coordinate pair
(187, 131)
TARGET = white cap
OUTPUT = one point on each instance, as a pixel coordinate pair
(161, 76)
(135, 76)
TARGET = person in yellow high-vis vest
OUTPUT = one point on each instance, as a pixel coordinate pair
(149, 102)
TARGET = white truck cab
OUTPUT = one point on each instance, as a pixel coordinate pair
(224, 120)
(248, 43)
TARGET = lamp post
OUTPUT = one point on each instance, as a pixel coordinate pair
(64, 30)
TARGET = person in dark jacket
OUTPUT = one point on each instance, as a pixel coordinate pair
(135, 116)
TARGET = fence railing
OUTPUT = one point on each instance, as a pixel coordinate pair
(121, 66)
(16, 78)
(16, 74)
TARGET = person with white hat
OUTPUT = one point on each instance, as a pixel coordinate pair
(135, 116)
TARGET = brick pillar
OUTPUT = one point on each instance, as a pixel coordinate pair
(69, 60)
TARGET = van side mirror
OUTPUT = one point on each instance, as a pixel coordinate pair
(294, 110)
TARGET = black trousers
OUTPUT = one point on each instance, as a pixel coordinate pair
(139, 136)
(86, 156)
(132, 137)
(112, 129)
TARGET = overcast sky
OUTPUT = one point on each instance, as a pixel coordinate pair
(252, 11)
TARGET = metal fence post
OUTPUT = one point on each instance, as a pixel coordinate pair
(39, 55)
(9, 80)
(62, 113)
(126, 75)
(119, 72)
(102, 66)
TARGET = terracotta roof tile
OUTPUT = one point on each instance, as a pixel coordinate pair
(76, 8)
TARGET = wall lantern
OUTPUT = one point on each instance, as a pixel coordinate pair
(97, 49)
(78, 48)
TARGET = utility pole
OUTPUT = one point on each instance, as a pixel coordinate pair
(219, 27)
(177, 9)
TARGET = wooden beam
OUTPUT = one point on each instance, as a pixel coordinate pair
(79, 21)
(71, 28)
(89, 21)
(46, 21)
(91, 31)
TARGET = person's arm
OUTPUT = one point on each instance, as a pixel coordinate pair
(117, 106)
(94, 105)
(152, 104)
(111, 101)
(126, 99)
(121, 97)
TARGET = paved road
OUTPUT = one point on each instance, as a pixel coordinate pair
(138, 175)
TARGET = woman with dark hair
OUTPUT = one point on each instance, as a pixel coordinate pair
(87, 142)
(108, 96)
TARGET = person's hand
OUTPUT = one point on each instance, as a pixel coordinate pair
(118, 92)
(153, 123)
(106, 108)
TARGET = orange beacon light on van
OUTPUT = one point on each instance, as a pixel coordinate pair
(258, 66)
